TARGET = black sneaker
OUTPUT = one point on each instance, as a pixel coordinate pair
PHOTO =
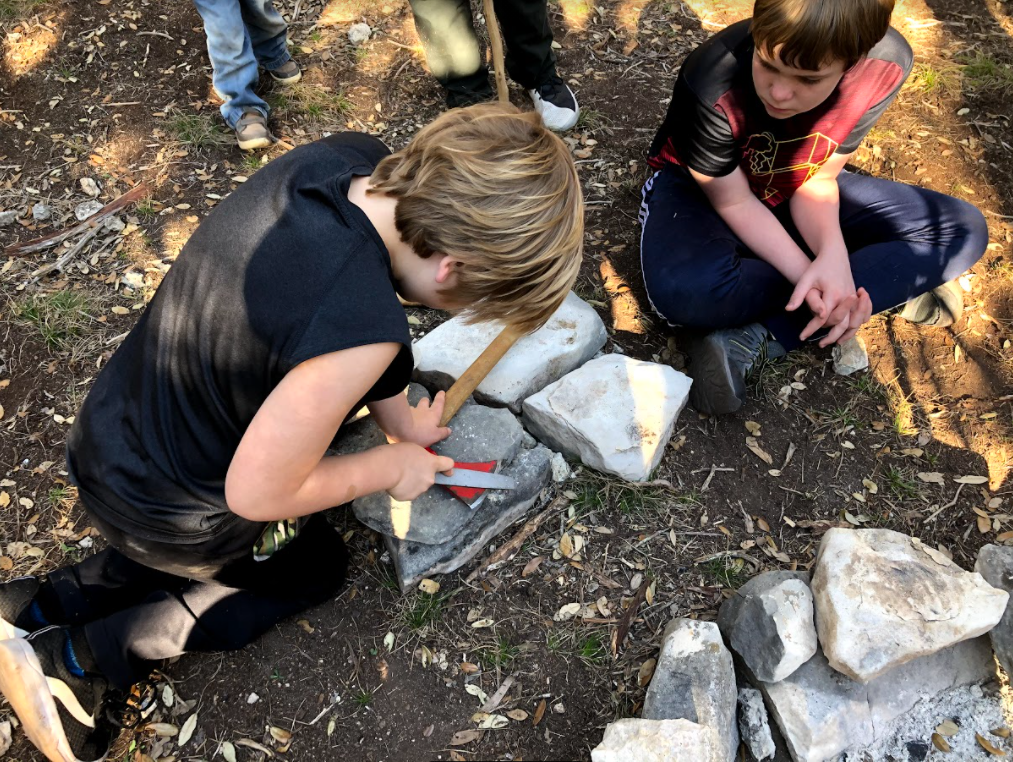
(60, 705)
(721, 361)
(556, 103)
(19, 611)
(940, 307)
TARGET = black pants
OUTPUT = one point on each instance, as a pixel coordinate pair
(454, 54)
(134, 614)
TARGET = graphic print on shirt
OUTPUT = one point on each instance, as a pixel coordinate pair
(799, 158)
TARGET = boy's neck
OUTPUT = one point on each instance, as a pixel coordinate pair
(379, 209)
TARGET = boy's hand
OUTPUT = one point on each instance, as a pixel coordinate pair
(426, 429)
(417, 471)
(829, 276)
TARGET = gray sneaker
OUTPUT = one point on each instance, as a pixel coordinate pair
(721, 361)
(287, 74)
(940, 307)
(252, 131)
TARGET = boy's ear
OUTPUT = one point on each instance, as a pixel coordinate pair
(446, 268)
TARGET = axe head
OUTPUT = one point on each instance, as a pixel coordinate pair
(471, 496)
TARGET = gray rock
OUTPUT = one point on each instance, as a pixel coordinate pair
(615, 414)
(89, 186)
(633, 740)
(41, 212)
(479, 434)
(754, 726)
(359, 33)
(822, 713)
(995, 564)
(569, 339)
(6, 218)
(850, 357)
(114, 224)
(86, 209)
(769, 624)
(883, 598)
(694, 680)
(414, 561)
(560, 468)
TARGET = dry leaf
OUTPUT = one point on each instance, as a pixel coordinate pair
(753, 428)
(758, 451)
(932, 477)
(947, 728)
(984, 525)
(565, 613)
(1001, 732)
(280, 734)
(649, 592)
(646, 672)
(971, 479)
(987, 746)
(305, 624)
(539, 713)
(429, 586)
(474, 690)
(1004, 537)
(940, 743)
(468, 668)
(870, 485)
(462, 737)
(162, 729)
(482, 623)
(249, 743)
(517, 714)
(532, 566)
(602, 604)
(186, 732)
(5, 499)
(488, 721)
(762, 524)
(6, 563)
(566, 545)
(914, 452)
(228, 751)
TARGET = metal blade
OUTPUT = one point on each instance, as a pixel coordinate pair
(465, 477)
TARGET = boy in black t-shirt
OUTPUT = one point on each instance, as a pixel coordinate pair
(200, 450)
(750, 215)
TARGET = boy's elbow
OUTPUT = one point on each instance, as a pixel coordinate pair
(240, 499)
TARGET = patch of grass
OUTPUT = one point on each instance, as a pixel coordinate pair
(499, 654)
(146, 208)
(898, 484)
(59, 317)
(595, 492)
(932, 79)
(11, 10)
(841, 417)
(252, 162)
(195, 130)
(555, 641)
(592, 120)
(422, 611)
(363, 698)
(902, 411)
(984, 73)
(59, 495)
(312, 101)
(865, 384)
(1001, 268)
(592, 650)
(728, 572)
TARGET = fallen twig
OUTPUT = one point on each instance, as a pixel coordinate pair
(72, 252)
(942, 508)
(29, 247)
(493, 703)
(726, 553)
(626, 621)
(504, 551)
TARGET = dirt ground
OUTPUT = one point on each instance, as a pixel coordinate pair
(120, 93)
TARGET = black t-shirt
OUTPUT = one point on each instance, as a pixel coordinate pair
(283, 270)
(716, 122)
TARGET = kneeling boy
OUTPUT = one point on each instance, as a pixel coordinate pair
(751, 215)
(200, 451)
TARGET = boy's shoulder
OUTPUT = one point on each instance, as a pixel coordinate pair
(894, 49)
(713, 67)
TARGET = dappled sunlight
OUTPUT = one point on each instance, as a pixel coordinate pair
(576, 13)
(30, 43)
(717, 15)
(622, 301)
(351, 11)
(924, 34)
(628, 18)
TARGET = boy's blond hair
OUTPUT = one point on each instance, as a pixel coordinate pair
(492, 187)
(813, 33)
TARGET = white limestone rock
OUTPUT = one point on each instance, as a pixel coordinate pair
(754, 725)
(769, 624)
(6, 218)
(995, 565)
(850, 357)
(615, 414)
(359, 33)
(569, 339)
(86, 209)
(694, 680)
(883, 598)
(41, 212)
(633, 740)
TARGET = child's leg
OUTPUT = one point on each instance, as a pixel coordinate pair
(697, 272)
(246, 599)
(268, 32)
(234, 66)
(528, 40)
(452, 50)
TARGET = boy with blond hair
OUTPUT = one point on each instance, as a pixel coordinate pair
(200, 452)
(750, 215)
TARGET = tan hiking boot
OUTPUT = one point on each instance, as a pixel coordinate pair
(252, 131)
(287, 74)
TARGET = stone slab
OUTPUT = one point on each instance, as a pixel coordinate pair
(883, 598)
(615, 414)
(570, 338)
(754, 725)
(414, 561)
(633, 740)
(995, 565)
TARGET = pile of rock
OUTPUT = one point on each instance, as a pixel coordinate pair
(885, 644)
(612, 413)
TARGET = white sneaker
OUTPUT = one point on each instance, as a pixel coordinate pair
(556, 103)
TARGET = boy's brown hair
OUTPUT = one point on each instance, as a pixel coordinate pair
(809, 34)
(492, 187)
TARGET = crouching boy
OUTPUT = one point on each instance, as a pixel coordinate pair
(200, 451)
(753, 233)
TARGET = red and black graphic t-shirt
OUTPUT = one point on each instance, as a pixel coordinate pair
(716, 122)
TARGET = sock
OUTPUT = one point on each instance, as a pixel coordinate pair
(77, 654)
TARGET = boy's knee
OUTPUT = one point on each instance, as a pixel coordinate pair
(970, 228)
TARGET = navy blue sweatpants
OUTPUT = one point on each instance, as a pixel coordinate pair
(903, 241)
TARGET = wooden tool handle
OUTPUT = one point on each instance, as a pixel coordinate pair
(477, 371)
(496, 42)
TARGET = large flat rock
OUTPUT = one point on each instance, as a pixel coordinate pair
(995, 565)
(822, 713)
(615, 414)
(694, 680)
(414, 560)
(633, 740)
(769, 624)
(883, 598)
(570, 338)
(479, 434)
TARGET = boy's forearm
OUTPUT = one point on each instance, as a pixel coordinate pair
(765, 236)
(392, 415)
(816, 211)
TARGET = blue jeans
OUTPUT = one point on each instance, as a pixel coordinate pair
(903, 241)
(241, 34)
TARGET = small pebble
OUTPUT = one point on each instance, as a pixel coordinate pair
(41, 212)
(89, 186)
(6, 218)
(359, 33)
(86, 209)
(253, 698)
